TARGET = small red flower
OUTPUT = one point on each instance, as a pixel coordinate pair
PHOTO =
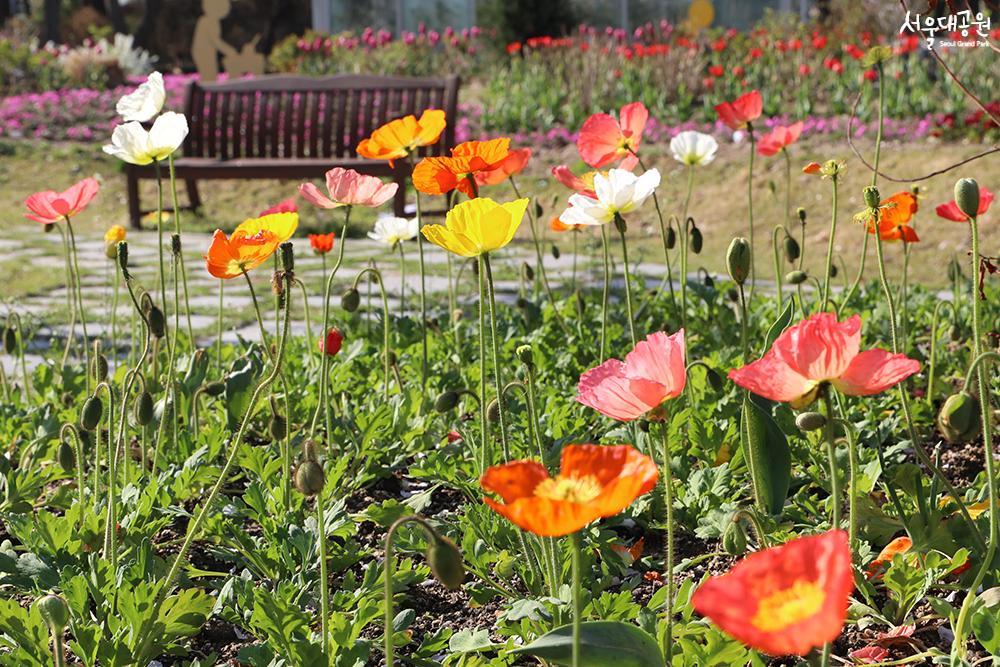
(950, 211)
(334, 340)
(321, 243)
(716, 70)
(284, 206)
(454, 436)
(870, 75)
(743, 110)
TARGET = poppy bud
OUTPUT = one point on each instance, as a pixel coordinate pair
(287, 256)
(524, 354)
(446, 401)
(521, 303)
(214, 388)
(90, 416)
(143, 409)
(708, 281)
(111, 250)
(527, 271)
(48, 228)
(738, 260)
(99, 367)
(175, 244)
(792, 250)
(277, 427)
(734, 540)
(55, 612)
(833, 270)
(714, 379)
(67, 399)
(123, 258)
(872, 197)
(696, 240)
(538, 210)
(351, 300)
(810, 421)
(958, 419)
(445, 561)
(967, 196)
(620, 224)
(66, 456)
(801, 212)
(157, 323)
(955, 333)
(309, 477)
(474, 267)
(457, 315)
(671, 238)
(333, 342)
(10, 340)
(556, 253)
(644, 426)
(392, 357)
(796, 277)
(493, 411)
(581, 304)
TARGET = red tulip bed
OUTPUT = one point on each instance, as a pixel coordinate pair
(593, 468)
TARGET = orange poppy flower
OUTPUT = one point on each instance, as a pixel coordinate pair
(230, 257)
(513, 164)
(894, 216)
(812, 168)
(557, 225)
(439, 175)
(321, 243)
(594, 482)
(900, 545)
(785, 600)
(398, 138)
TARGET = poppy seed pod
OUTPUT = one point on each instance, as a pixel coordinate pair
(55, 612)
(792, 250)
(872, 197)
(309, 477)
(446, 401)
(144, 408)
(967, 196)
(796, 277)
(696, 240)
(175, 244)
(10, 340)
(350, 300)
(446, 562)
(123, 257)
(214, 388)
(738, 260)
(959, 418)
(671, 238)
(287, 256)
(527, 271)
(90, 416)
(810, 421)
(734, 540)
(157, 323)
(493, 411)
(66, 456)
(524, 354)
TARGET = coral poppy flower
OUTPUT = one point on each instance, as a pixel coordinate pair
(477, 226)
(49, 206)
(740, 112)
(321, 243)
(950, 211)
(283, 206)
(900, 545)
(594, 482)
(231, 257)
(604, 140)
(513, 164)
(398, 138)
(820, 351)
(440, 175)
(813, 168)
(583, 185)
(894, 215)
(652, 373)
(349, 188)
(779, 139)
(784, 600)
(332, 343)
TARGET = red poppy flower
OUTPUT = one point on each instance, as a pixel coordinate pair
(785, 600)
(950, 211)
(49, 206)
(284, 206)
(321, 243)
(604, 140)
(333, 342)
(741, 111)
(716, 70)
(779, 138)
(594, 482)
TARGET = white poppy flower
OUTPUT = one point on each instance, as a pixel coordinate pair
(145, 102)
(132, 143)
(391, 230)
(694, 148)
(619, 192)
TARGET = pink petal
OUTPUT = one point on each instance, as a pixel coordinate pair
(40, 205)
(632, 120)
(772, 378)
(869, 655)
(820, 348)
(606, 389)
(312, 194)
(660, 359)
(874, 371)
(950, 211)
(80, 194)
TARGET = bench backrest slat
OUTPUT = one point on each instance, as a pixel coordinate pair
(282, 116)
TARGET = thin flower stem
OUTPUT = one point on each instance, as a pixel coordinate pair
(861, 271)
(932, 362)
(753, 263)
(576, 252)
(485, 264)
(577, 547)
(70, 299)
(78, 452)
(484, 421)
(305, 305)
(114, 316)
(744, 330)
(607, 288)
(776, 255)
(669, 278)
(26, 376)
(324, 586)
(620, 224)
(386, 349)
(402, 281)
(684, 247)
(829, 247)
(159, 233)
(180, 260)
(218, 334)
(79, 298)
(423, 296)
(831, 449)
(387, 576)
(668, 497)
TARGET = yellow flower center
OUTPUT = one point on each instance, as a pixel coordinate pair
(788, 606)
(571, 489)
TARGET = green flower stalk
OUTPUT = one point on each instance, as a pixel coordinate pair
(14, 343)
(607, 289)
(79, 294)
(423, 294)
(386, 347)
(180, 259)
(622, 228)
(484, 265)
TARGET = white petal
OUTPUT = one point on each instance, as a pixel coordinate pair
(167, 134)
(145, 101)
(644, 186)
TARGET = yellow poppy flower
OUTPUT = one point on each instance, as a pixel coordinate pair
(477, 226)
(282, 225)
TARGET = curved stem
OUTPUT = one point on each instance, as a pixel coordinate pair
(932, 362)
(485, 259)
(684, 247)
(829, 247)
(607, 288)
(620, 224)
(577, 548)
(159, 233)
(78, 451)
(668, 497)
(324, 587)
(484, 435)
(386, 349)
(423, 296)
(180, 259)
(305, 305)
(79, 299)
(388, 573)
(70, 299)
(402, 281)
(776, 255)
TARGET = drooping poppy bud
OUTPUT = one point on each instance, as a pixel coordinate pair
(959, 418)
(66, 456)
(350, 300)
(671, 238)
(143, 408)
(214, 388)
(309, 477)
(734, 539)
(55, 612)
(332, 343)
(446, 401)
(792, 250)
(90, 416)
(157, 323)
(277, 427)
(696, 240)
(738, 260)
(796, 277)
(714, 379)
(446, 562)
(967, 196)
(99, 367)
(810, 421)
(527, 271)
(493, 411)
(556, 253)
(10, 340)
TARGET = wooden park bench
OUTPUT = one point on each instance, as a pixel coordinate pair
(296, 127)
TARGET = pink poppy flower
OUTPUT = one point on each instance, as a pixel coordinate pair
(744, 109)
(575, 183)
(513, 164)
(49, 206)
(349, 188)
(283, 206)
(604, 140)
(950, 211)
(820, 351)
(779, 138)
(652, 373)
(869, 655)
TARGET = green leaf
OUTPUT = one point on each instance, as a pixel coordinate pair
(470, 641)
(779, 324)
(602, 644)
(986, 620)
(765, 449)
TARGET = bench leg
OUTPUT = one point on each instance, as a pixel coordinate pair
(134, 210)
(194, 199)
